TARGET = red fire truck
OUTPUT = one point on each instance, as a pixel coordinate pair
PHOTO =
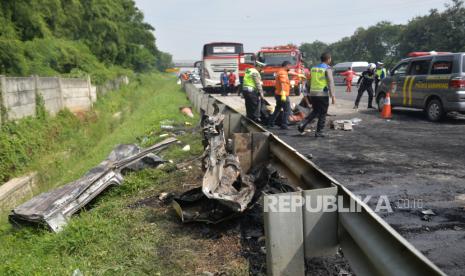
(246, 60)
(273, 57)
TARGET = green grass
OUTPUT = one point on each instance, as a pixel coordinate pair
(111, 237)
(64, 147)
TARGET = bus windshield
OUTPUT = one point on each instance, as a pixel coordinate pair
(222, 49)
(276, 59)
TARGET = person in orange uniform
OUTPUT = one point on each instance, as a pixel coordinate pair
(349, 76)
(283, 86)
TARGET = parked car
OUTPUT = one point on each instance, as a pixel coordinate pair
(432, 82)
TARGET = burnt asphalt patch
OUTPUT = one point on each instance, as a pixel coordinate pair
(419, 165)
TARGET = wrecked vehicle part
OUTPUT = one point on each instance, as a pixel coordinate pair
(194, 206)
(223, 179)
(54, 208)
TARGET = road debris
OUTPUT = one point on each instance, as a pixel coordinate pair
(53, 209)
(166, 197)
(356, 121)
(342, 125)
(226, 190)
(167, 127)
(427, 214)
(193, 205)
(117, 115)
(223, 179)
(186, 111)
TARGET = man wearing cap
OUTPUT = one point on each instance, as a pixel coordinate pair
(381, 73)
(253, 91)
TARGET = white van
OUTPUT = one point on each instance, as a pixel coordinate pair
(358, 67)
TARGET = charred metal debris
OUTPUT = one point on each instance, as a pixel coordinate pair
(227, 191)
(53, 209)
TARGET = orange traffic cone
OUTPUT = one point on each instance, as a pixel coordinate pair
(386, 112)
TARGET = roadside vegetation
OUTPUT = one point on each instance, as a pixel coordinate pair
(52, 145)
(118, 233)
(387, 42)
(73, 38)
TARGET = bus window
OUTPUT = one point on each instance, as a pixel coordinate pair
(222, 49)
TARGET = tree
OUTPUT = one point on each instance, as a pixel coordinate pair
(313, 52)
(50, 35)
(164, 61)
(387, 42)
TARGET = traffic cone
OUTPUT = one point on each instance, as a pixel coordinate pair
(386, 112)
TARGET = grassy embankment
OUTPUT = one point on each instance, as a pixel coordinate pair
(112, 237)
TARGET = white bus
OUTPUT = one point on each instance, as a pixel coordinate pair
(216, 57)
(358, 67)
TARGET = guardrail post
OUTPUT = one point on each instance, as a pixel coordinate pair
(284, 237)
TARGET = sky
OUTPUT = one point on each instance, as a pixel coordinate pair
(182, 27)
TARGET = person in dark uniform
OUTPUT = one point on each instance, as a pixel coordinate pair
(365, 83)
(253, 91)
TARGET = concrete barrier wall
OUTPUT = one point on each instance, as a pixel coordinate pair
(112, 85)
(76, 94)
(19, 95)
(19, 98)
(17, 190)
(49, 89)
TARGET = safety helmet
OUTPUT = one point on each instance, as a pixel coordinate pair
(371, 66)
(259, 64)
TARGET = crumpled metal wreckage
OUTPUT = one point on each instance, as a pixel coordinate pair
(54, 208)
(226, 190)
(224, 179)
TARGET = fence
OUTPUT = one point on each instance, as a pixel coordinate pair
(19, 95)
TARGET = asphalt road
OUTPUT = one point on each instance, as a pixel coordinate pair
(417, 164)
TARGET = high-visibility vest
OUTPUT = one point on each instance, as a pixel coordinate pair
(248, 79)
(380, 72)
(318, 81)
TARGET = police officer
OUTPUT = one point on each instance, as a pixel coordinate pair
(252, 91)
(321, 89)
(365, 83)
(381, 73)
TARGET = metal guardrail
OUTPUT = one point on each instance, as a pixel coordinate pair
(370, 245)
